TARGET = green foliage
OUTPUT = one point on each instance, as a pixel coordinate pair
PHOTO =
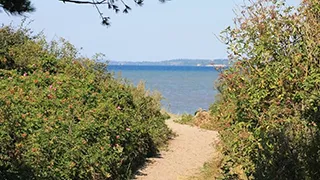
(269, 104)
(64, 117)
(185, 119)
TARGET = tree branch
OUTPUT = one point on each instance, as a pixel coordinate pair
(84, 2)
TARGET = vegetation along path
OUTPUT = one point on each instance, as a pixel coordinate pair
(186, 154)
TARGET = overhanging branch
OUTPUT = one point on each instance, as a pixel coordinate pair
(84, 2)
(111, 4)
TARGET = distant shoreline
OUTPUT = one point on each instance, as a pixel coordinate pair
(176, 62)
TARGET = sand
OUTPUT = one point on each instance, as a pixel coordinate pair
(185, 156)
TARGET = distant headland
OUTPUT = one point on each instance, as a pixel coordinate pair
(177, 62)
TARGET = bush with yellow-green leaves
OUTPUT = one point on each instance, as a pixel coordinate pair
(269, 102)
(65, 117)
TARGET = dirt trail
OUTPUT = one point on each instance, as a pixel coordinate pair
(185, 156)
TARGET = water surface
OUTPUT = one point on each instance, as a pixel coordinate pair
(184, 88)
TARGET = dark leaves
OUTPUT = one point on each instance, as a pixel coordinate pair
(115, 8)
(126, 9)
(105, 21)
(16, 7)
(139, 2)
(117, 5)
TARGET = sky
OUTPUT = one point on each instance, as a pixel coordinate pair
(173, 30)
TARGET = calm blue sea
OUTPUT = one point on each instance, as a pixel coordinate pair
(185, 88)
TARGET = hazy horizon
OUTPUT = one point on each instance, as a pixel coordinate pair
(192, 59)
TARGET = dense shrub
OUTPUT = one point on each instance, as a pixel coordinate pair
(269, 105)
(64, 117)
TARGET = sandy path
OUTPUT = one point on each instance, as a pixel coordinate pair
(185, 156)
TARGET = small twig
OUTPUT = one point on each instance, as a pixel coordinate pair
(95, 5)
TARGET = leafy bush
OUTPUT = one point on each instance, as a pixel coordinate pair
(200, 119)
(269, 106)
(185, 119)
(64, 117)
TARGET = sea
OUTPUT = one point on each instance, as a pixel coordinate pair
(185, 89)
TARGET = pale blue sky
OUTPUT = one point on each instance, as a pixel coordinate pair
(154, 32)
